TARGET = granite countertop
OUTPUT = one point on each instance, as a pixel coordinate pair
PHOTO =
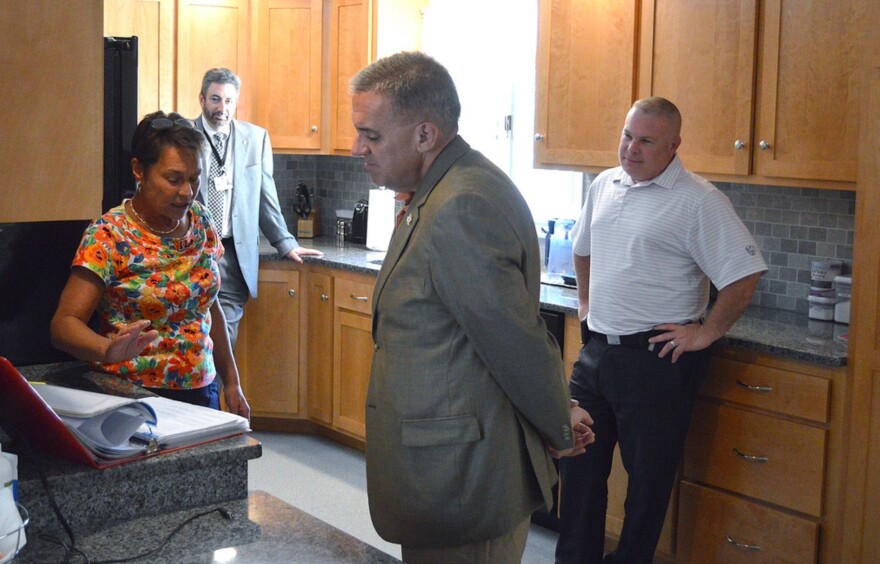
(780, 333)
(260, 529)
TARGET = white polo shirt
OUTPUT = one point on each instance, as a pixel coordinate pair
(655, 245)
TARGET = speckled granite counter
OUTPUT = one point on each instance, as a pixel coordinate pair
(130, 509)
(779, 333)
(262, 530)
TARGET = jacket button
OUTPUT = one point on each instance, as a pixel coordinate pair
(375, 346)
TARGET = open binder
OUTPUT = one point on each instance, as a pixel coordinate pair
(102, 430)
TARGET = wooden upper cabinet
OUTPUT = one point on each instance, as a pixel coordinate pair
(152, 21)
(807, 114)
(349, 53)
(288, 57)
(586, 65)
(701, 56)
(212, 33)
(50, 154)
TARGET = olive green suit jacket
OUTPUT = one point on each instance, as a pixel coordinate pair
(467, 387)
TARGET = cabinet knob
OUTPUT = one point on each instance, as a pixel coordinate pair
(738, 145)
(742, 545)
(325, 297)
(539, 137)
(314, 128)
(291, 292)
(764, 145)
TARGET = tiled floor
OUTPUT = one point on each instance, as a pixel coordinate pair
(327, 480)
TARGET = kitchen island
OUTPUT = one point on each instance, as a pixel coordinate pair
(132, 509)
(260, 529)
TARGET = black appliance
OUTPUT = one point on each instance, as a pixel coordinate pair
(120, 117)
(359, 222)
(34, 265)
(555, 322)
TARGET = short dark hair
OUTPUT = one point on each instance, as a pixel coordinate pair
(417, 87)
(220, 75)
(149, 141)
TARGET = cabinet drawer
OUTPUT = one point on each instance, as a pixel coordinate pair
(354, 295)
(782, 391)
(757, 455)
(718, 527)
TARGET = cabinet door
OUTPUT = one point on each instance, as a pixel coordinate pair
(585, 80)
(352, 352)
(717, 527)
(51, 124)
(152, 21)
(352, 359)
(270, 361)
(807, 117)
(320, 347)
(757, 455)
(211, 33)
(349, 53)
(288, 55)
(701, 56)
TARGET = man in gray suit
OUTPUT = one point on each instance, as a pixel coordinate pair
(467, 397)
(239, 190)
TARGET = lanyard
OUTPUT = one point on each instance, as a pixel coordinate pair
(221, 162)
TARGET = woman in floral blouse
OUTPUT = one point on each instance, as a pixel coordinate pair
(148, 269)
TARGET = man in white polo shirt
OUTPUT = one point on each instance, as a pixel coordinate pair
(649, 240)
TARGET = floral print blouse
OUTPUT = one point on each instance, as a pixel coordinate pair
(170, 281)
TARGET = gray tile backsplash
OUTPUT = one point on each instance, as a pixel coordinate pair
(793, 226)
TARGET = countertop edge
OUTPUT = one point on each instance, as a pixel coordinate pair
(778, 333)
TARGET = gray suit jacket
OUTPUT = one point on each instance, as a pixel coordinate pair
(467, 387)
(255, 204)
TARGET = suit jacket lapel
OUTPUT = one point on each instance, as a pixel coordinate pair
(203, 177)
(457, 148)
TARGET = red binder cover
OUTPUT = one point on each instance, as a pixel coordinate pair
(25, 412)
(22, 409)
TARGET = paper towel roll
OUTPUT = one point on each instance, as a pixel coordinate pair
(380, 219)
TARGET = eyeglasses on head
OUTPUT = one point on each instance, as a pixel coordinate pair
(165, 123)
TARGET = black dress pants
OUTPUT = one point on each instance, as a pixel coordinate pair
(644, 403)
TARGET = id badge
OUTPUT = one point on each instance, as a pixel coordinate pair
(222, 183)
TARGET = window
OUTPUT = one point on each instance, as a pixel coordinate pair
(490, 53)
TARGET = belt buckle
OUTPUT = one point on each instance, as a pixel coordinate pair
(613, 339)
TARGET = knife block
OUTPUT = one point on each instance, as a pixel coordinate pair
(309, 227)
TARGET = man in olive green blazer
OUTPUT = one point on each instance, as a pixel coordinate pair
(467, 390)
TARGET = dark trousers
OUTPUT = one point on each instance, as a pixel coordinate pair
(207, 396)
(644, 403)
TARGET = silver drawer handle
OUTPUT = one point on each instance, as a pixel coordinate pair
(359, 298)
(751, 457)
(749, 387)
(742, 545)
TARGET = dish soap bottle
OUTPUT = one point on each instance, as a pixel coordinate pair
(12, 536)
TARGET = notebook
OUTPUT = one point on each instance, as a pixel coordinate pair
(102, 430)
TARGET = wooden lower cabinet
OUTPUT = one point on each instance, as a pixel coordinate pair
(762, 466)
(352, 352)
(268, 349)
(319, 296)
(717, 527)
